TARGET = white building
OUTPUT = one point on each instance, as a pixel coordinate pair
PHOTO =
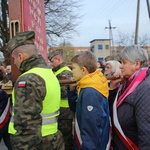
(100, 48)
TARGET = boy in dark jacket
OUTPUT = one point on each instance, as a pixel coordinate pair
(91, 130)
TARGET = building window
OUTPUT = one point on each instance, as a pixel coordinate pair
(106, 46)
(92, 48)
(101, 59)
(100, 46)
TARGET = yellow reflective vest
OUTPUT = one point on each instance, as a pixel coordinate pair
(51, 102)
(64, 102)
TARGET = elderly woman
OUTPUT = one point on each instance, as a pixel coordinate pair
(131, 108)
(111, 67)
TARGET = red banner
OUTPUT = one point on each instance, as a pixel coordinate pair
(33, 18)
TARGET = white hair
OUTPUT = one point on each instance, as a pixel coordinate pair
(135, 53)
(115, 66)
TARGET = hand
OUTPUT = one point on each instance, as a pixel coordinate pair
(117, 74)
(73, 85)
(114, 83)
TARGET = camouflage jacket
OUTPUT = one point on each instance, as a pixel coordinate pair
(28, 105)
(63, 76)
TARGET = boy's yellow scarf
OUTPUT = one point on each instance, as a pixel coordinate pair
(95, 80)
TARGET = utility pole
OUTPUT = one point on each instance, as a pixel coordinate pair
(137, 22)
(148, 7)
(111, 37)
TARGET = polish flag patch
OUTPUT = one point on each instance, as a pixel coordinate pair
(22, 84)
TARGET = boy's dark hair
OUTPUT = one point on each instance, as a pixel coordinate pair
(86, 59)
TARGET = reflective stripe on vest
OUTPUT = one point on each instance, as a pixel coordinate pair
(45, 120)
(51, 102)
(64, 102)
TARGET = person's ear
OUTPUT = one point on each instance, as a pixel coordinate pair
(138, 64)
(58, 59)
(20, 56)
(84, 70)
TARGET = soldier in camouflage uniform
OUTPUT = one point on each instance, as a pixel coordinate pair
(32, 104)
(63, 72)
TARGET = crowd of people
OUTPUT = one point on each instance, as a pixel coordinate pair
(92, 113)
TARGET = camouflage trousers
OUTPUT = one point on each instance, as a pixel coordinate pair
(27, 140)
(53, 142)
(50, 142)
(65, 126)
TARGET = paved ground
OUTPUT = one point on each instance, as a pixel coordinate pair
(2, 146)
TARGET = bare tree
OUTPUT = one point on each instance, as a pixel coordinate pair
(125, 39)
(68, 51)
(144, 40)
(62, 19)
(4, 30)
(61, 22)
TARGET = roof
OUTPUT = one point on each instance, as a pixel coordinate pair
(100, 40)
(82, 48)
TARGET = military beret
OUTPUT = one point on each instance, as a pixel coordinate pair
(53, 53)
(21, 38)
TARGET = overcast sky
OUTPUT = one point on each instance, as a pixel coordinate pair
(122, 14)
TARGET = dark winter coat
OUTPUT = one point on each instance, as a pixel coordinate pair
(134, 116)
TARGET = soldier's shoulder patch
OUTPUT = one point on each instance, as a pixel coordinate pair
(22, 84)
